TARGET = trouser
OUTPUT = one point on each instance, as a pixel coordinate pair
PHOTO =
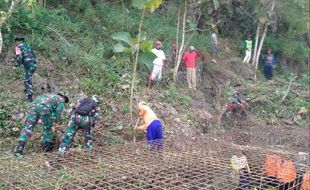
(77, 122)
(27, 77)
(156, 73)
(191, 77)
(247, 56)
(154, 135)
(30, 124)
(268, 71)
(244, 180)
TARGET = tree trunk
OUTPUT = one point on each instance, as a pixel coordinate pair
(259, 49)
(5, 18)
(42, 3)
(135, 66)
(177, 39)
(1, 41)
(175, 74)
(256, 58)
(256, 42)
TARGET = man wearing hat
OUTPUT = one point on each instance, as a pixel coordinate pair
(190, 58)
(48, 108)
(26, 57)
(84, 116)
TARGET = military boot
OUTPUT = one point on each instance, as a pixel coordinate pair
(29, 98)
(20, 148)
(89, 144)
(47, 146)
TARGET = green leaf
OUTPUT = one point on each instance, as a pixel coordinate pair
(147, 58)
(139, 3)
(216, 4)
(153, 4)
(146, 46)
(143, 36)
(122, 36)
(118, 48)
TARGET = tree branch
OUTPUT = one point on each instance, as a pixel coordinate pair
(9, 13)
(59, 35)
(288, 89)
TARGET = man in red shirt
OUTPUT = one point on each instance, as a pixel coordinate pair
(190, 59)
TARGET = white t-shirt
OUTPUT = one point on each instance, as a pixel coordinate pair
(214, 38)
(160, 57)
(239, 163)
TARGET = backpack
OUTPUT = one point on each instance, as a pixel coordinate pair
(85, 106)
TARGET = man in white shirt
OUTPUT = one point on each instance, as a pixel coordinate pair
(158, 63)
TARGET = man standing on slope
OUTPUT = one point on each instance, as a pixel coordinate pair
(269, 61)
(48, 108)
(25, 56)
(214, 44)
(190, 59)
(158, 63)
(247, 45)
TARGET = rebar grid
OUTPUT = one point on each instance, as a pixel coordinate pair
(202, 162)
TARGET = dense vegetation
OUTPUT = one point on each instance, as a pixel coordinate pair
(75, 39)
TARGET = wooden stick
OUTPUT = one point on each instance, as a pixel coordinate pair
(288, 89)
(137, 123)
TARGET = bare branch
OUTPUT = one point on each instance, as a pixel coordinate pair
(288, 88)
(9, 13)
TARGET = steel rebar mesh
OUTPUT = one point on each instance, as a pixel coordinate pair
(202, 162)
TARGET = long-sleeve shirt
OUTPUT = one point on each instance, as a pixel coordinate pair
(49, 104)
(24, 55)
(148, 116)
(190, 58)
(94, 116)
(269, 59)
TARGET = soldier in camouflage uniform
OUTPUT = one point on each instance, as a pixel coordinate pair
(85, 122)
(48, 108)
(25, 56)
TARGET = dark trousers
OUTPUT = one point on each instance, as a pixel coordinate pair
(268, 71)
(244, 181)
(154, 134)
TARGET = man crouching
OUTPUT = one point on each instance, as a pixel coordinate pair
(84, 116)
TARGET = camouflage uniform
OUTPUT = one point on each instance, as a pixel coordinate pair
(85, 123)
(47, 107)
(25, 56)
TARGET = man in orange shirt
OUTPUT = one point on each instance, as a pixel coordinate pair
(190, 59)
(152, 126)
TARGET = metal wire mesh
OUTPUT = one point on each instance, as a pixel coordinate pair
(202, 162)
